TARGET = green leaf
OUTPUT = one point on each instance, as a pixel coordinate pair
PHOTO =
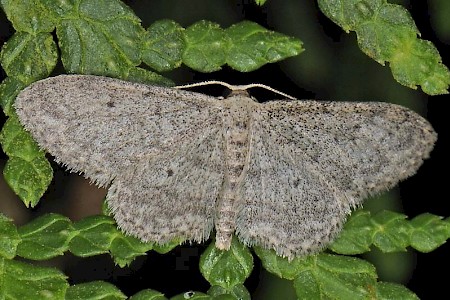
(420, 64)
(278, 265)
(19, 53)
(100, 37)
(350, 14)
(226, 268)
(252, 46)
(191, 295)
(147, 77)
(260, 2)
(18, 142)
(148, 295)
(45, 237)
(99, 234)
(9, 238)
(429, 232)
(245, 46)
(20, 280)
(165, 248)
(356, 236)
(163, 45)
(205, 46)
(27, 171)
(124, 249)
(326, 276)
(106, 210)
(387, 33)
(28, 179)
(387, 291)
(392, 21)
(29, 16)
(9, 89)
(51, 235)
(94, 236)
(391, 231)
(237, 292)
(95, 290)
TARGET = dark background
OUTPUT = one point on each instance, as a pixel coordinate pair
(331, 68)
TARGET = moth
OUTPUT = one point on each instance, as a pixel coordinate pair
(283, 174)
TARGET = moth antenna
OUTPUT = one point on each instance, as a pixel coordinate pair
(235, 87)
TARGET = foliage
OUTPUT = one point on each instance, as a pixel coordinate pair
(106, 38)
(321, 275)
